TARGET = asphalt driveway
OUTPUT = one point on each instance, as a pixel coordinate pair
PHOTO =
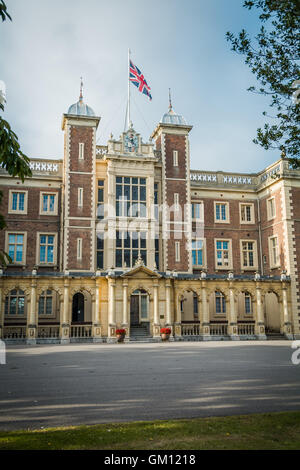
(56, 385)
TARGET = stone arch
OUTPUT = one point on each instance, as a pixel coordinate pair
(42, 299)
(218, 308)
(272, 314)
(81, 299)
(187, 299)
(140, 287)
(14, 292)
(245, 304)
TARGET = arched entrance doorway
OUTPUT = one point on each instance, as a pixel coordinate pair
(139, 308)
(272, 313)
(78, 308)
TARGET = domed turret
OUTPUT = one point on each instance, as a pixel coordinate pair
(80, 108)
(171, 117)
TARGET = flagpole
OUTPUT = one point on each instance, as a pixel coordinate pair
(128, 110)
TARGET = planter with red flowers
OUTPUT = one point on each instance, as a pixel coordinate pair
(165, 334)
(121, 333)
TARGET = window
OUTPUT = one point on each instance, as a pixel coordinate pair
(46, 303)
(198, 252)
(195, 302)
(15, 303)
(81, 151)
(247, 213)
(197, 210)
(100, 250)
(177, 251)
(220, 302)
(176, 201)
(249, 254)
(17, 203)
(271, 210)
(79, 249)
(274, 252)
(129, 245)
(130, 197)
(46, 248)
(100, 206)
(157, 252)
(222, 212)
(80, 197)
(223, 254)
(156, 207)
(248, 303)
(15, 247)
(48, 203)
(175, 157)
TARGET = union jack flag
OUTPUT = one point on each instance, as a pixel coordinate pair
(137, 78)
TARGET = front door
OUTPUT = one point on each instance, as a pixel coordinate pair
(78, 308)
(134, 310)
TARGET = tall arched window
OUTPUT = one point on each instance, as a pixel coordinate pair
(248, 303)
(46, 303)
(220, 302)
(15, 303)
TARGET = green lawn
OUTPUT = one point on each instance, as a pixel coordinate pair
(256, 431)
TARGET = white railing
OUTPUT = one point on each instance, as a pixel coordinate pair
(14, 332)
(48, 331)
(81, 331)
(246, 328)
(190, 329)
(219, 329)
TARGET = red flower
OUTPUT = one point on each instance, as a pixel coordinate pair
(121, 332)
(166, 331)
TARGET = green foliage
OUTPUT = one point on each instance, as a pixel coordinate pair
(273, 56)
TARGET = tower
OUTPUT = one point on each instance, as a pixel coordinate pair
(171, 138)
(79, 182)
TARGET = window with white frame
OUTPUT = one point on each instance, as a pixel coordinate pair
(46, 248)
(48, 203)
(247, 213)
(177, 251)
(16, 247)
(220, 302)
(17, 202)
(221, 212)
(274, 252)
(15, 303)
(131, 197)
(175, 157)
(198, 252)
(129, 246)
(249, 254)
(271, 209)
(81, 151)
(176, 201)
(223, 254)
(197, 211)
(80, 197)
(79, 249)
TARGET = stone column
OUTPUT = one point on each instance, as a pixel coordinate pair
(287, 326)
(125, 322)
(31, 323)
(96, 317)
(111, 310)
(156, 320)
(111, 216)
(260, 323)
(64, 320)
(233, 330)
(205, 325)
(168, 304)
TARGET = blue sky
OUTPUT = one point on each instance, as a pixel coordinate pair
(178, 44)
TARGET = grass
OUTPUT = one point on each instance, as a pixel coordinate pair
(257, 431)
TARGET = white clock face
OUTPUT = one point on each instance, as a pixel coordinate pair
(131, 142)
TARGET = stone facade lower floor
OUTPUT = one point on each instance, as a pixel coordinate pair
(81, 307)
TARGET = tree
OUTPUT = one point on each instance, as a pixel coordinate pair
(12, 159)
(273, 56)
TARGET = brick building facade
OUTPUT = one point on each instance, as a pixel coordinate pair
(127, 235)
